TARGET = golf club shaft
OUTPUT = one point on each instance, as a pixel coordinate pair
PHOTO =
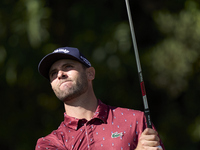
(146, 107)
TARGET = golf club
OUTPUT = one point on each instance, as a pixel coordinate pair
(144, 96)
(146, 107)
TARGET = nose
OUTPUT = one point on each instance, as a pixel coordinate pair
(61, 74)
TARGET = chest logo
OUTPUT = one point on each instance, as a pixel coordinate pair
(116, 135)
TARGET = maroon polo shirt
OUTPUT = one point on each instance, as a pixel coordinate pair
(110, 128)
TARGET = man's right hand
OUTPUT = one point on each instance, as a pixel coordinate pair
(149, 140)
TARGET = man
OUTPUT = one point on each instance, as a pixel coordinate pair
(89, 123)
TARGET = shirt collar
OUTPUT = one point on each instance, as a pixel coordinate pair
(100, 113)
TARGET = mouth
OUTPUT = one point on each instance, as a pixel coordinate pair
(64, 82)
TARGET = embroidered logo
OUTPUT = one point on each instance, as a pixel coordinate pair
(61, 50)
(85, 60)
(116, 134)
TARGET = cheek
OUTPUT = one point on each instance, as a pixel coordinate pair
(73, 76)
(53, 84)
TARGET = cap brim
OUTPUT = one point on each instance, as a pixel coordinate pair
(46, 63)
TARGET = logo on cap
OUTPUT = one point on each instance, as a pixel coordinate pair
(85, 60)
(61, 50)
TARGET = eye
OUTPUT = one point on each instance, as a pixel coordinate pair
(68, 66)
(53, 74)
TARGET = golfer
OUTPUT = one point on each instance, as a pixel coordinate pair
(88, 122)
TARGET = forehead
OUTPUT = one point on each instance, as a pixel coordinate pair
(61, 62)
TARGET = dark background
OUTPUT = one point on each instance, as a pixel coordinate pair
(167, 33)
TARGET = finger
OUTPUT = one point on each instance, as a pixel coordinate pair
(150, 138)
(149, 131)
(152, 148)
(150, 143)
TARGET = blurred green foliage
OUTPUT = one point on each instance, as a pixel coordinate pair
(167, 33)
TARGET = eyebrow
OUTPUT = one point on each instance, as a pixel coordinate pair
(55, 69)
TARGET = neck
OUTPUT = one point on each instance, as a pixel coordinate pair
(82, 107)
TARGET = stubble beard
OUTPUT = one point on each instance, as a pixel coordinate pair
(79, 87)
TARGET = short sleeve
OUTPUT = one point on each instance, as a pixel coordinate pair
(45, 143)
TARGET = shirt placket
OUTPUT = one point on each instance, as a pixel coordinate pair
(89, 135)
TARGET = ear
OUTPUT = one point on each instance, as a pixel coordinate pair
(90, 73)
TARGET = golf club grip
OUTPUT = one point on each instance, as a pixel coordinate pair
(145, 102)
(147, 115)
